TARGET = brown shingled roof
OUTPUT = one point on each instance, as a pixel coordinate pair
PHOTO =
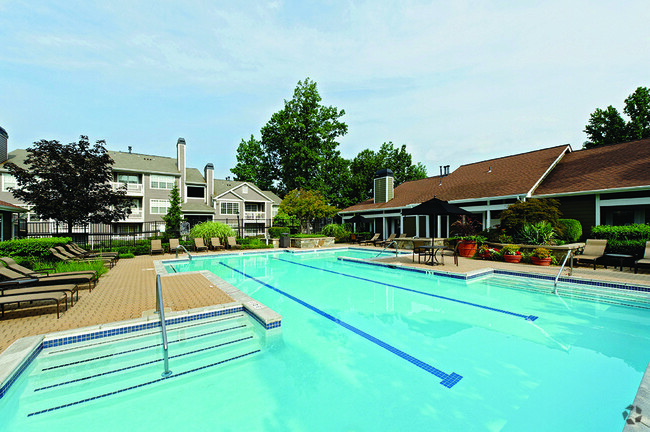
(500, 177)
(609, 167)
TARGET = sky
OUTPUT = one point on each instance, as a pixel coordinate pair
(455, 81)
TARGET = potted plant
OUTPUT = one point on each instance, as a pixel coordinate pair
(466, 229)
(511, 253)
(541, 256)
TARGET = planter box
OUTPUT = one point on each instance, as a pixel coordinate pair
(540, 261)
(512, 258)
(311, 243)
(467, 249)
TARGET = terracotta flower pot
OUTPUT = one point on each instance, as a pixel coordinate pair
(540, 261)
(467, 248)
(512, 258)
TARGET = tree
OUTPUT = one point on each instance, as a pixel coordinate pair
(174, 215)
(306, 205)
(520, 214)
(364, 166)
(609, 127)
(298, 146)
(70, 183)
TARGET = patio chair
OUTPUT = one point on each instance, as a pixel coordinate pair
(645, 261)
(29, 299)
(232, 244)
(63, 255)
(373, 240)
(76, 249)
(402, 236)
(450, 249)
(387, 241)
(594, 250)
(13, 265)
(81, 255)
(14, 276)
(156, 247)
(33, 286)
(215, 243)
(199, 245)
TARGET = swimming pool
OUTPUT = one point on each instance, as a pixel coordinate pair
(370, 348)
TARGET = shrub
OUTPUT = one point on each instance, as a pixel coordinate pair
(541, 253)
(510, 249)
(537, 234)
(253, 243)
(126, 255)
(517, 215)
(571, 228)
(32, 247)
(276, 232)
(207, 230)
(627, 239)
(340, 232)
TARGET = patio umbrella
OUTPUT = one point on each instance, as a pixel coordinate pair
(357, 218)
(435, 207)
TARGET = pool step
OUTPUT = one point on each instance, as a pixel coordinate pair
(191, 349)
(580, 291)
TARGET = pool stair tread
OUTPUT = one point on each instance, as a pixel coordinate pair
(580, 291)
(116, 376)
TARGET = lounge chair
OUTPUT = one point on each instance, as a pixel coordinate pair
(199, 245)
(215, 243)
(387, 241)
(594, 250)
(33, 286)
(156, 247)
(76, 249)
(84, 255)
(173, 245)
(13, 276)
(55, 296)
(232, 243)
(13, 265)
(402, 236)
(645, 261)
(60, 253)
(373, 240)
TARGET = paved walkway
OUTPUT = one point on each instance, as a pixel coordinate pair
(128, 290)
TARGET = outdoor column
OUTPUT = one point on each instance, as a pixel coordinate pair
(438, 227)
(428, 231)
(597, 209)
(417, 225)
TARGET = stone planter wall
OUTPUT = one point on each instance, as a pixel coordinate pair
(310, 243)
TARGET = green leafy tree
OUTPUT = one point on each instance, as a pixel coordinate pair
(520, 214)
(174, 215)
(609, 127)
(364, 166)
(306, 205)
(297, 147)
(70, 183)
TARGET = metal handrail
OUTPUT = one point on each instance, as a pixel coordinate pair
(161, 310)
(181, 246)
(389, 244)
(568, 254)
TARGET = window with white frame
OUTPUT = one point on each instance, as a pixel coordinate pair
(8, 181)
(229, 208)
(128, 178)
(252, 208)
(159, 206)
(161, 182)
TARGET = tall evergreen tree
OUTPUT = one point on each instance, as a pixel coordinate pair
(174, 215)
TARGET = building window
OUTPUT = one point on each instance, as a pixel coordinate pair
(252, 208)
(244, 189)
(195, 192)
(159, 206)
(128, 178)
(229, 208)
(8, 181)
(162, 182)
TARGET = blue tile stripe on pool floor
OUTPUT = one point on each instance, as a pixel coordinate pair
(526, 317)
(448, 380)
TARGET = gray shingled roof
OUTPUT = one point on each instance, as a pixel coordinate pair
(273, 197)
(196, 207)
(221, 186)
(143, 163)
(193, 175)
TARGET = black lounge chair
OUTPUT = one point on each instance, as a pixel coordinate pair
(22, 299)
(13, 276)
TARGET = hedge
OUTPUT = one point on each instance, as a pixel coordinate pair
(32, 247)
(571, 229)
(627, 239)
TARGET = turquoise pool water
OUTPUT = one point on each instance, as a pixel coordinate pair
(365, 348)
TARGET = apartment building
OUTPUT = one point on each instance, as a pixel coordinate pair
(149, 180)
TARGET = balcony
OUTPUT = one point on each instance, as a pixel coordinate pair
(132, 189)
(254, 216)
(137, 215)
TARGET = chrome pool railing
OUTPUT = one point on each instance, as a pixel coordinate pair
(389, 245)
(569, 254)
(183, 247)
(160, 308)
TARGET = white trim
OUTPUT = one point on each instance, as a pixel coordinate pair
(624, 202)
(595, 191)
(548, 171)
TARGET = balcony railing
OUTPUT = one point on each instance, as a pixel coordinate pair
(136, 215)
(131, 188)
(254, 216)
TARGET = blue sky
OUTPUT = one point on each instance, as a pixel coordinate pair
(457, 82)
